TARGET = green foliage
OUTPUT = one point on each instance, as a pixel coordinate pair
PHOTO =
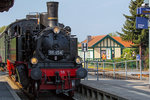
(128, 54)
(113, 34)
(138, 36)
(78, 42)
(146, 59)
(130, 33)
(2, 28)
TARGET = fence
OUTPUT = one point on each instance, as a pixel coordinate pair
(131, 69)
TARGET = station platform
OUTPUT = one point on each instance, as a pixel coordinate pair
(6, 92)
(127, 89)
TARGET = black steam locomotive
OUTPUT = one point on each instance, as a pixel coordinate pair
(41, 53)
(5, 5)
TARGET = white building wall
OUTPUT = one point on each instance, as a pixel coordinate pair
(88, 54)
(96, 52)
(117, 52)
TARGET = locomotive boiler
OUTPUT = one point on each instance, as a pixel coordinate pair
(42, 54)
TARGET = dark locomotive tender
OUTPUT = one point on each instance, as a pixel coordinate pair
(42, 54)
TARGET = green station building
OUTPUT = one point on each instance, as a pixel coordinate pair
(103, 44)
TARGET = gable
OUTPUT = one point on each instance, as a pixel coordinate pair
(107, 41)
(93, 40)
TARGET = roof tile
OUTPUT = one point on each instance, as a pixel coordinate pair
(95, 39)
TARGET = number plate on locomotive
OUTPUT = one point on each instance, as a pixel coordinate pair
(55, 52)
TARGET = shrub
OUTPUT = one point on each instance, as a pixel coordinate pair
(129, 54)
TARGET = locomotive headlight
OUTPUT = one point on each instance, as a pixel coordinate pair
(56, 30)
(34, 60)
(78, 60)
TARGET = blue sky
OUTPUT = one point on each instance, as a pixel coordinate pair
(85, 17)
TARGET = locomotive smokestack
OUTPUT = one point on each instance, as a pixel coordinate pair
(52, 9)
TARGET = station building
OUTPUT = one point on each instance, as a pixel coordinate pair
(111, 46)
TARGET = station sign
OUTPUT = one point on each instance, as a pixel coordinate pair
(84, 47)
(142, 10)
(137, 57)
(141, 23)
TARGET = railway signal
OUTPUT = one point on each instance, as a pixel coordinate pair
(84, 47)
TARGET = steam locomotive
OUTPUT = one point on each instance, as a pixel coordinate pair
(41, 53)
(5, 5)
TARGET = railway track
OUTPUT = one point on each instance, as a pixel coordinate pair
(43, 95)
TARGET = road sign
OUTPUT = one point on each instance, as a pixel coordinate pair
(84, 47)
(143, 10)
(141, 23)
(137, 57)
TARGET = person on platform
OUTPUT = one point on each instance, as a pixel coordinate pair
(103, 57)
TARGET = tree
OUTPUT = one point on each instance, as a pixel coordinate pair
(2, 28)
(146, 58)
(113, 34)
(130, 33)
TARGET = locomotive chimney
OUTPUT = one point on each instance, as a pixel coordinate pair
(52, 9)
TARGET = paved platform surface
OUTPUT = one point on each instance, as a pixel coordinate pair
(128, 89)
(6, 92)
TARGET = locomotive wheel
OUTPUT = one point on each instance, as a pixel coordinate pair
(77, 82)
(71, 93)
(29, 89)
(36, 90)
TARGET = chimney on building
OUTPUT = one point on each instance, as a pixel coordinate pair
(89, 38)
